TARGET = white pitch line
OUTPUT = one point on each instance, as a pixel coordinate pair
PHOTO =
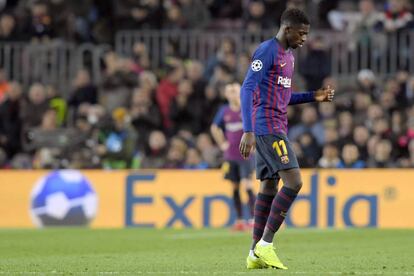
(195, 272)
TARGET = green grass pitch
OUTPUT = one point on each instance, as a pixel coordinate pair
(202, 252)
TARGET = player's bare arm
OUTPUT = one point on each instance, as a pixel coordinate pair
(247, 144)
(324, 94)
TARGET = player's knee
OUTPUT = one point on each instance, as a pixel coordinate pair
(296, 186)
(268, 187)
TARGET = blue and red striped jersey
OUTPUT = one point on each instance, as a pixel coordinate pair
(266, 91)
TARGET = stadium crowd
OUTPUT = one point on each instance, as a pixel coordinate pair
(143, 117)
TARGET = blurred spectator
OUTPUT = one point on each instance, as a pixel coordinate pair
(367, 83)
(8, 28)
(316, 57)
(360, 138)
(226, 47)
(175, 19)
(193, 160)
(155, 151)
(168, 90)
(4, 85)
(41, 27)
(350, 158)
(362, 27)
(209, 152)
(34, 107)
(194, 72)
(330, 157)
(118, 81)
(396, 16)
(145, 115)
(256, 18)
(176, 153)
(130, 14)
(302, 160)
(10, 121)
(310, 148)
(309, 123)
(185, 110)
(83, 91)
(118, 142)
(382, 156)
(195, 13)
(345, 125)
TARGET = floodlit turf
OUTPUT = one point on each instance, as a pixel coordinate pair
(202, 252)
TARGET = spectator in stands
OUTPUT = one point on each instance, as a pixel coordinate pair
(362, 27)
(361, 102)
(367, 83)
(331, 135)
(84, 91)
(360, 138)
(374, 112)
(209, 152)
(350, 158)
(168, 90)
(118, 143)
(256, 18)
(185, 109)
(195, 13)
(138, 14)
(396, 17)
(176, 153)
(309, 123)
(175, 19)
(382, 157)
(140, 57)
(145, 115)
(56, 102)
(118, 82)
(10, 121)
(41, 27)
(345, 126)
(382, 128)
(330, 157)
(4, 85)
(300, 155)
(310, 148)
(34, 107)
(155, 151)
(193, 160)
(8, 28)
(316, 57)
(225, 9)
(226, 47)
(194, 72)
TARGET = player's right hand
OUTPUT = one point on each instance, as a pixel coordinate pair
(247, 144)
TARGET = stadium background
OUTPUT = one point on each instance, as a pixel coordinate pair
(125, 91)
(135, 84)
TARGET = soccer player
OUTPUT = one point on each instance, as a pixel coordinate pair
(265, 94)
(237, 170)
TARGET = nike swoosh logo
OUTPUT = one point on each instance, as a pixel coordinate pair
(282, 64)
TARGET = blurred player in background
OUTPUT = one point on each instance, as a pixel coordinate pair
(265, 95)
(227, 130)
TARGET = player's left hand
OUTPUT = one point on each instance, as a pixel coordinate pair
(324, 94)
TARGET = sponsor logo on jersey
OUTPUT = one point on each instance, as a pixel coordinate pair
(284, 81)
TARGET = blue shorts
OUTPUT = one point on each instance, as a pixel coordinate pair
(235, 170)
(273, 153)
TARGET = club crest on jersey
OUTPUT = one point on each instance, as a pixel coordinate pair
(284, 159)
(284, 81)
(257, 65)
